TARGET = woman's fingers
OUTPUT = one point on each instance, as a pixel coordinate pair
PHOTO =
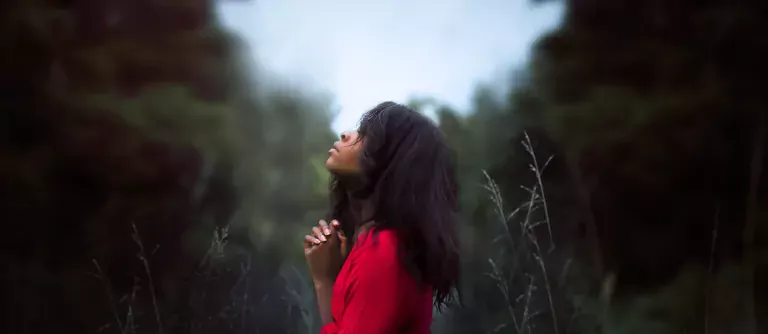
(319, 234)
(329, 231)
(310, 241)
(324, 227)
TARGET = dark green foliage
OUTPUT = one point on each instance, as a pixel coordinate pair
(128, 122)
(654, 117)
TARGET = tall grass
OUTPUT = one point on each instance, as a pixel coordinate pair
(544, 294)
(125, 309)
(520, 269)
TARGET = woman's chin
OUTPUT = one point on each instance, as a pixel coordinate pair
(335, 170)
(330, 165)
(341, 171)
(333, 167)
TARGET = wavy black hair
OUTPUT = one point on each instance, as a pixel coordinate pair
(408, 180)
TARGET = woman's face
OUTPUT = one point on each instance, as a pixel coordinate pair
(344, 156)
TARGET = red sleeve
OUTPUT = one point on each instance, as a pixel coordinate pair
(375, 296)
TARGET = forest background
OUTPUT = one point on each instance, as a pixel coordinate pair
(153, 180)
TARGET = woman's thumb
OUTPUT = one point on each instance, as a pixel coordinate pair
(339, 233)
(342, 237)
(344, 245)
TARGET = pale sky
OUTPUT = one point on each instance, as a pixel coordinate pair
(367, 51)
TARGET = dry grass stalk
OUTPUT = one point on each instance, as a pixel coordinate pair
(527, 237)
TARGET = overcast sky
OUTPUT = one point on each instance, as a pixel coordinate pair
(367, 51)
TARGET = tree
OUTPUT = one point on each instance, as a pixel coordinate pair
(137, 147)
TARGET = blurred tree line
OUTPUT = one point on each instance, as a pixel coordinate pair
(655, 196)
(154, 180)
(149, 180)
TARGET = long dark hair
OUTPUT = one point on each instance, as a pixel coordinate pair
(408, 180)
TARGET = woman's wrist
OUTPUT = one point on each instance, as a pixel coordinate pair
(323, 283)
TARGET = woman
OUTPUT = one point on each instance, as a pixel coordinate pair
(393, 193)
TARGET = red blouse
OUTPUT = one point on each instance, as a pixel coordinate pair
(374, 294)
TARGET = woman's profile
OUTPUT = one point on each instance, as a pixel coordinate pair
(390, 250)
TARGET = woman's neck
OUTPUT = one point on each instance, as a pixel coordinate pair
(361, 207)
(362, 229)
(363, 210)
